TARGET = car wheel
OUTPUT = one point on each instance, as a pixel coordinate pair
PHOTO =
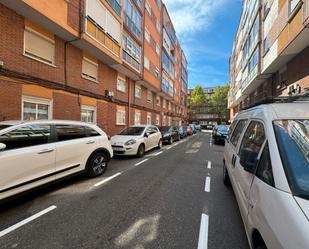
(226, 178)
(141, 151)
(179, 138)
(160, 144)
(171, 140)
(97, 164)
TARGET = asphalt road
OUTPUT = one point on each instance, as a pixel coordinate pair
(154, 202)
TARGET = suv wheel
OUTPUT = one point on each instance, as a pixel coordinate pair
(226, 178)
(97, 164)
(141, 151)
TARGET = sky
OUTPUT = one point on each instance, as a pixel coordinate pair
(206, 30)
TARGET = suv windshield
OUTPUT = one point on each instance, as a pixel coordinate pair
(4, 126)
(164, 128)
(132, 131)
(293, 142)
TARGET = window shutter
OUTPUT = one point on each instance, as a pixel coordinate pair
(90, 69)
(113, 27)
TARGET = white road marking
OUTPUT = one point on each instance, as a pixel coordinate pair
(203, 236)
(24, 222)
(209, 165)
(139, 163)
(160, 152)
(168, 148)
(107, 179)
(207, 184)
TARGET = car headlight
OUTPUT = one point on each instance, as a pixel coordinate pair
(166, 135)
(130, 142)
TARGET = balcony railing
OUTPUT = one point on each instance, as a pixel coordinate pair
(131, 60)
(116, 6)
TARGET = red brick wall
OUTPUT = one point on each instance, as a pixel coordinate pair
(66, 107)
(10, 100)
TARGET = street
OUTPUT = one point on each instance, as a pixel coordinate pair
(153, 202)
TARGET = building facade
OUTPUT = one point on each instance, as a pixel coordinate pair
(205, 114)
(270, 55)
(99, 61)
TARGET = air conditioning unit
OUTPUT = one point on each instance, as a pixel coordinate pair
(109, 93)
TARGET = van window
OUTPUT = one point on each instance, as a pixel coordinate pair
(26, 136)
(237, 132)
(70, 132)
(264, 171)
(253, 139)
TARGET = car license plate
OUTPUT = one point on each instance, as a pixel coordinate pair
(118, 149)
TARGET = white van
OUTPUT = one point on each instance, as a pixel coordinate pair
(266, 159)
(33, 153)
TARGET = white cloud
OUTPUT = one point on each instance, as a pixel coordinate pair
(191, 16)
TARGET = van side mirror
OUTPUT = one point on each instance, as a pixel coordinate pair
(2, 146)
(248, 159)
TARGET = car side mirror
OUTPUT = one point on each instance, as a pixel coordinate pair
(146, 134)
(2, 146)
(248, 159)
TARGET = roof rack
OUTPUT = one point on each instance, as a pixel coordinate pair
(283, 99)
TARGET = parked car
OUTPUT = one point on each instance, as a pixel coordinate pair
(136, 140)
(219, 134)
(267, 162)
(189, 130)
(169, 134)
(182, 131)
(193, 128)
(198, 127)
(33, 153)
(209, 127)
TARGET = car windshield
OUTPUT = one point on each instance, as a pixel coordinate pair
(164, 128)
(293, 142)
(222, 128)
(132, 131)
(4, 126)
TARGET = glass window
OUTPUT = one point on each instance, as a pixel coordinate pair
(137, 118)
(138, 91)
(132, 18)
(264, 170)
(89, 69)
(91, 132)
(88, 114)
(70, 132)
(121, 117)
(293, 142)
(132, 131)
(253, 139)
(237, 132)
(148, 118)
(149, 96)
(30, 135)
(293, 4)
(121, 85)
(35, 109)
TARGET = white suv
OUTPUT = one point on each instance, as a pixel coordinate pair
(33, 153)
(266, 159)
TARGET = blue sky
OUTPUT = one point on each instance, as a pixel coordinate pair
(206, 30)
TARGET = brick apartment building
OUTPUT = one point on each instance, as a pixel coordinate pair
(111, 62)
(270, 55)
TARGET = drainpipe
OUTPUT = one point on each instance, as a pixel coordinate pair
(129, 100)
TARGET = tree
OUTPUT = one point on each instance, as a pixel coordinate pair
(219, 101)
(197, 97)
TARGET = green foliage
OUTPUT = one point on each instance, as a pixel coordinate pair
(219, 101)
(197, 97)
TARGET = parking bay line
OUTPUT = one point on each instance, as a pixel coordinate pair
(209, 165)
(160, 152)
(203, 235)
(24, 222)
(139, 163)
(207, 184)
(107, 179)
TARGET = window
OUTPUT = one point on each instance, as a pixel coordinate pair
(237, 132)
(292, 5)
(26, 136)
(121, 85)
(253, 140)
(121, 116)
(158, 49)
(169, 121)
(138, 91)
(148, 8)
(157, 119)
(36, 108)
(91, 132)
(266, 8)
(38, 46)
(158, 100)
(132, 52)
(264, 169)
(266, 45)
(148, 118)
(132, 18)
(164, 103)
(147, 35)
(149, 96)
(89, 69)
(137, 118)
(158, 26)
(146, 63)
(70, 132)
(88, 114)
(164, 120)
